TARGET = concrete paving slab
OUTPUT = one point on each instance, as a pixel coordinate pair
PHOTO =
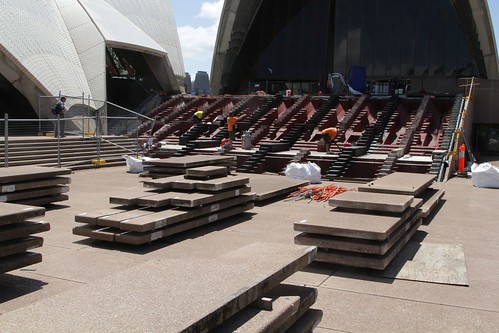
(31, 184)
(93, 306)
(19, 260)
(206, 172)
(307, 323)
(30, 172)
(199, 199)
(167, 217)
(371, 261)
(288, 304)
(21, 245)
(22, 229)
(173, 182)
(267, 187)
(191, 161)
(44, 200)
(92, 216)
(351, 312)
(399, 183)
(12, 213)
(372, 201)
(138, 238)
(131, 196)
(431, 197)
(355, 244)
(33, 193)
(114, 220)
(357, 225)
(219, 184)
(159, 199)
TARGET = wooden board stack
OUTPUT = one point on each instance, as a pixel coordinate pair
(34, 185)
(167, 206)
(179, 165)
(16, 230)
(369, 228)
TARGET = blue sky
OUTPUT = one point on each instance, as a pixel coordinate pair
(197, 23)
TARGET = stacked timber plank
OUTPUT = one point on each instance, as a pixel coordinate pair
(34, 185)
(16, 235)
(369, 228)
(179, 165)
(167, 206)
(225, 293)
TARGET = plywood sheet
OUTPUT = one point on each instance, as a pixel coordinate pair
(429, 262)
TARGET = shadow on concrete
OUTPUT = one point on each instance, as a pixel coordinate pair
(12, 286)
(427, 220)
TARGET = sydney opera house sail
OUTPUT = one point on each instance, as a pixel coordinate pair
(116, 50)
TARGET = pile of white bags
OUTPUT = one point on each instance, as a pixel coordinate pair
(485, 175)
(304, 171)
(134, 163)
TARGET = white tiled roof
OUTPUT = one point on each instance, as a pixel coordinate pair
(59, 45)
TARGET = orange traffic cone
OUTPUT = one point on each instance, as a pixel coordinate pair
(461, 159)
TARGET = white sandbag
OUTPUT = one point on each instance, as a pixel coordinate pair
(485, 175)
(304, 171)
(134, 163)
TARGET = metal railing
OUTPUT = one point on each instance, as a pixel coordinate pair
(109, 123)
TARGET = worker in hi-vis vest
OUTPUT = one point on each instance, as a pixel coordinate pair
(328, 135)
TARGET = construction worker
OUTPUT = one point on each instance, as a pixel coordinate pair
(231, 121)
(328, 135)
(197, 117)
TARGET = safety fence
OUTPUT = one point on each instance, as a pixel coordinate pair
(109, 125)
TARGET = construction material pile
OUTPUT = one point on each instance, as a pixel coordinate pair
(16, 235)
(159, 168)
(317, 193)
(34, 185)
(169, 205)
(369, 227)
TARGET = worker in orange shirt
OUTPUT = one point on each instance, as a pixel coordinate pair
(328, 135)
(231, 121)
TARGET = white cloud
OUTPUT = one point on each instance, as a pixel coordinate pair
(211, 10)
(198, 42)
